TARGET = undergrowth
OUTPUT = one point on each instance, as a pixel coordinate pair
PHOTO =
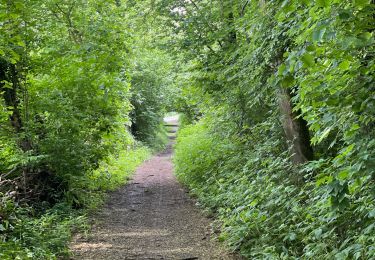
(264, 209)
(28, 234)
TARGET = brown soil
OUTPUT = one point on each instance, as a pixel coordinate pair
(152, 217)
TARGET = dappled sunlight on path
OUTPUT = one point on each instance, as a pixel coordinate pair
(152, 217)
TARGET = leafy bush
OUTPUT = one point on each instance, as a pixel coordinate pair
(152, 93)
(66, 111)
(25, 236)
(194, 154)
(26, 233)
(111, 174)
(275, 79)
(263, 209)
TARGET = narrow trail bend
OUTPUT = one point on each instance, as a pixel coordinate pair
(152, 217)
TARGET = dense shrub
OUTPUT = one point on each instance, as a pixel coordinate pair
(27, 235)
(287, 88)
(152, 94)
(31, 233)
(65, 117)
(263, 210)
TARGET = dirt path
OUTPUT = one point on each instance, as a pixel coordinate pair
(152, 217)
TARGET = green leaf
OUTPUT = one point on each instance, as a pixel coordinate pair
(287, 81)
(317, 35)
(360, 3)
(318, 233)
(343, 175)
(344, 15)
(324, 134)
(345, 65)
(323, 3)
(354, 127)
(365, 36)
(348, 150)
(308, 60)
(21, 43)
(311, 48)
(281, 70)
(323, 180)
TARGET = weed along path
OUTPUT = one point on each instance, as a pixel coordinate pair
(152, 217)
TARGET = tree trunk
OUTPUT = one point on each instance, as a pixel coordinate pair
(296, 130)
(227, 12)
(8, 73)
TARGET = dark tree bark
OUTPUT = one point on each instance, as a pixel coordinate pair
(295, 128)
(232, 37)
(229, 17)
(8, 73)
(12, 98)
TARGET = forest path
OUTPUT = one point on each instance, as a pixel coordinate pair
(152, 217)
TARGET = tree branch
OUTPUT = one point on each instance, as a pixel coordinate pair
(195, 5)
(244, 7)
(8, 173)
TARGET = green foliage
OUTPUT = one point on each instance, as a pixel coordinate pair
(11, 42)
(25, 236)
(152, 93)
(322, 52)
(66, 110)
(194, 154)
(67, 95)
(263, 210)
(111, 174)
(337, 104)
(26, 233)
(78, 79)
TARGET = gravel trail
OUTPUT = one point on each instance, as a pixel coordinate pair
(152, 217)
